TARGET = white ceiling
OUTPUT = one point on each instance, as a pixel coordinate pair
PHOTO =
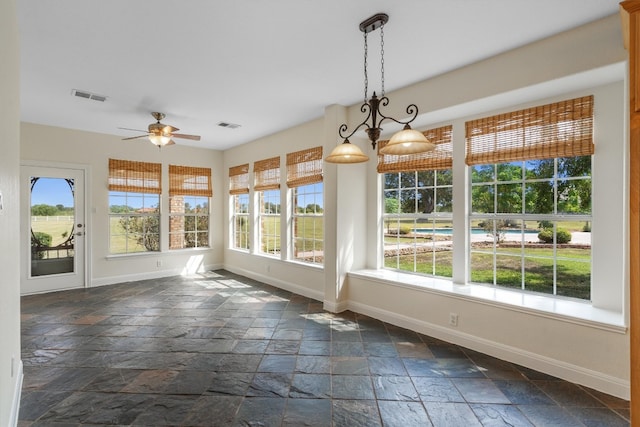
(266, 65)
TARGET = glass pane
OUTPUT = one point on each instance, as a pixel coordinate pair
(509, 271)
(539, 271)
(574, 196)
(52, 226)
(391, 202)
(509, 198)
(444, 199)
(425, 200)
(425, 178)
(482, 173)
(574, 166)
(509, 171)
(481, 268)
(408, 201)
(407, 179)
(444, 177)
(482, 199)
(539, 197)
(391, 181)
(539, 169)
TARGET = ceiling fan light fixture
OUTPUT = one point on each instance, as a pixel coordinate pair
(407, 141)
(159, 139)
(347, 153)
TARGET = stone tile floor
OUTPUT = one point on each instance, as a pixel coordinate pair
(224, 350)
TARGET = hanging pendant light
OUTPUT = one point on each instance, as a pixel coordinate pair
(407, 141)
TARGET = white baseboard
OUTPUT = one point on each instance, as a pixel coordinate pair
(288, 286)
(567, 371)
(112, 280)
(335, 307)
(17, 393)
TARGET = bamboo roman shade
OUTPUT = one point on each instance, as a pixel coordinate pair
(239, 179)
(440, 158)
(135, 177)
(561, 129)
(189, 181)
(266, 174)
(304, 167)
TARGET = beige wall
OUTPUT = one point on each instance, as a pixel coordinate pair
(10, 364)
(58, 147)
(588, 60)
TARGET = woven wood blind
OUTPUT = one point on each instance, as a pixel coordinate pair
(189, 181)
(561, 129)
(440, 158)
(304, 167)
(239, 179)
(266, 174)
(135, 177)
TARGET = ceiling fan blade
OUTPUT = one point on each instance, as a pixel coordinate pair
(135, 137)
(135, 130)
(185, 136)
(171, 142)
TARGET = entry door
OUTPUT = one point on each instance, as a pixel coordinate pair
(53, 229)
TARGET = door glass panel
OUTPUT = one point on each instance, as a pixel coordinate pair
(52, 226)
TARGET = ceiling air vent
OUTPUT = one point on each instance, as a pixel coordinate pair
(228, 125)
(88, 95)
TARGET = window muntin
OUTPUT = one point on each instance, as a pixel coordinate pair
(267, 185)
(417, 231)
(270, 222)
(189, 195)
(308, 223)
(417, 222)
(134, 206)
(188, 222)
(134, 222)
(512, 204)
(239, 192)
(241, 221)
(531, 197)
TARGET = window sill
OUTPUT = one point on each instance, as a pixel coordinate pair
(578, 312)
(133, 255)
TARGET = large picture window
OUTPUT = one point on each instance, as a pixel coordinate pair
(134, 206)
(189, 195)
(239, 192)
(304, 177)
(530, 214)
(417, 221)
(267, 185)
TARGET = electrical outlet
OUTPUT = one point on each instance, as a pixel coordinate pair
(453, 319)
(159, 263)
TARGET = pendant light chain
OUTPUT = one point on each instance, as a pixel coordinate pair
(382, 56)
(366, 77)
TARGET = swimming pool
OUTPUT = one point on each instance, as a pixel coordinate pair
(449, 231)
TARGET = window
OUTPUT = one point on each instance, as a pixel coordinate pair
(189, 195)
(304, 177)
(267, 184)
(417, 221)
(134, 206)
(239, 191)
(531, 198)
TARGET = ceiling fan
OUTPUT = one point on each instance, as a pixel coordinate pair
(160, 134)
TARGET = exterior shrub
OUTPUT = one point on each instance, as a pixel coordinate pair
(562, 236)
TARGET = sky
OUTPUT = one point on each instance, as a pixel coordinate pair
(52, 191)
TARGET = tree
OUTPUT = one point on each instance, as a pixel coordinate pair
(391, 206)
(313, 208)
(43, 210)
(144, 229)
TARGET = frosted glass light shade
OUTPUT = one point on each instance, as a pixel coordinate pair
(407, 141)
(346, 153)
(159, 140)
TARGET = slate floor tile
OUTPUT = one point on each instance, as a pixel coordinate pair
(224, 350)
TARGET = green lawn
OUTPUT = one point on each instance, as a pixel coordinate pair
(56, 229)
